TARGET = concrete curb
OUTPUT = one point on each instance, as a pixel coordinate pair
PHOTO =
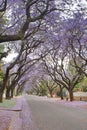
(16, 122)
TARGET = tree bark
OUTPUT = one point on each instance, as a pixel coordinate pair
(71, 95)
(8, 96)
(61, 93)
(1, 96)
(12, 93)
(51, 94)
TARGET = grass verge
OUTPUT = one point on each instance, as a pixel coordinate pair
(8, 103)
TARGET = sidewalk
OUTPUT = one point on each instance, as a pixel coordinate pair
(10, 118)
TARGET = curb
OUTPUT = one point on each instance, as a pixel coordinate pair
(16, 122)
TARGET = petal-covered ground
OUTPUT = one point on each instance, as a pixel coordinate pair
(5, 119)
(80, 104)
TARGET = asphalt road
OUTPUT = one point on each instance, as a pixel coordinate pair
(53, 116)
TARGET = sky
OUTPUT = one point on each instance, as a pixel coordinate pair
(10, 57)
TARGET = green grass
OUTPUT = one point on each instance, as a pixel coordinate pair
(8, 103)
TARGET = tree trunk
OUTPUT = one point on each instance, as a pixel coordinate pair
(12, 93)
(71, 95)
(1, 96)
(8, 94)
(51, 94)
(16, 92)
(61, 93)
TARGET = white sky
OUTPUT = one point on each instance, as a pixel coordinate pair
(10, 57)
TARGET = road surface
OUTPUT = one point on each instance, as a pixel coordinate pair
(49, 115)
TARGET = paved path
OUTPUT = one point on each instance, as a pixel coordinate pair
(53, 116)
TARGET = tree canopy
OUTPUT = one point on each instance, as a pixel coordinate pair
(49, 34)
